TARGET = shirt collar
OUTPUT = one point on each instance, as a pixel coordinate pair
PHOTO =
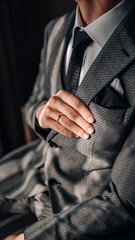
(102, 28)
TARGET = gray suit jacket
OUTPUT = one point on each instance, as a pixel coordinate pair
(91, 183)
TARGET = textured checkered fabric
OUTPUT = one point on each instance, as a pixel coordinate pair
(80, 43)
(88, 192)
(90, 184)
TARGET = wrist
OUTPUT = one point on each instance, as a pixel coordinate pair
(20, 237)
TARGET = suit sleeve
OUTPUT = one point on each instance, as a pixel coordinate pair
(101, 216)
(41, 91)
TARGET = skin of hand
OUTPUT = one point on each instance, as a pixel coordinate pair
(75, 118)
(15, 237)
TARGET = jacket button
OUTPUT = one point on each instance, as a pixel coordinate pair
(53, 145)
(53, 182)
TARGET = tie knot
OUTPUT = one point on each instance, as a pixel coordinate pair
(81, 39)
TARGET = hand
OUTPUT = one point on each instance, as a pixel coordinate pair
(75, 118)
(15, 237)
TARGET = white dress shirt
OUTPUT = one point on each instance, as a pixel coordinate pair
(100, 31)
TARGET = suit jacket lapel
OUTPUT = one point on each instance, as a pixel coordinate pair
(58, 49)
(115, 56)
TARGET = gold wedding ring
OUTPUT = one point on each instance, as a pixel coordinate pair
(58, 117)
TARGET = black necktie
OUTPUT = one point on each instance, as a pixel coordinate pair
(81, 42)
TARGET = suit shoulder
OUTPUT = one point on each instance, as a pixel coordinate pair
(59, 22)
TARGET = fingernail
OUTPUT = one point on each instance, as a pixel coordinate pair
(86, 136)
(90, 120)
(90, 130)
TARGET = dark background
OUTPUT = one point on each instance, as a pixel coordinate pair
(22, 23)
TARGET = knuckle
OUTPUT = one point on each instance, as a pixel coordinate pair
(77, 103)
(61, 92)
(73, 114)
(53, 100)
(67, 123)
(48, 110)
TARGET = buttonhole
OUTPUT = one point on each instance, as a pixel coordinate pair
(125, 52)
(53, 182)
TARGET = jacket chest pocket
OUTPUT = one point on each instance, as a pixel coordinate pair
(109, 134)
(107, 115)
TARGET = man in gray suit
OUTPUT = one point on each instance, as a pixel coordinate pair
(81, 182)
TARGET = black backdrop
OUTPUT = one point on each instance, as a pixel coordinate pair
(22, 24)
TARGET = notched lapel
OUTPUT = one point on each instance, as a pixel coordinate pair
(115, 56)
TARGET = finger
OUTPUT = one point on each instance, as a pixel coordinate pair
(70, 113)
(49, 121)
(60, 128)
(52, 113)
(45, 116)
(77, 104)
(64, 121)
(70, 125)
